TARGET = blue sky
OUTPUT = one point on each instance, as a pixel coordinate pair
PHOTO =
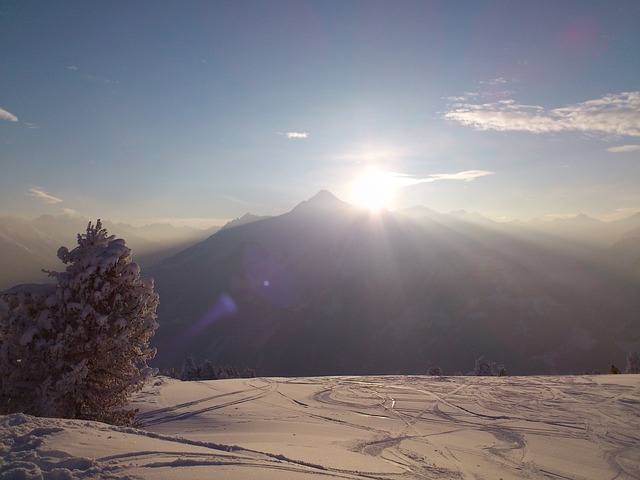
(196, 112)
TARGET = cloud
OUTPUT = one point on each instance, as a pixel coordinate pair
(70, 212)
(44, 196)
(494, 81)
(31, 126)
(465, 97)
(94, 78)
(624, 149)
(466, 176)
(4, 115)
(614, 114)
(297, 135)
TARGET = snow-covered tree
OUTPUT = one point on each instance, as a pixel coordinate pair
(633, 363)
(189, 370)
(232, 371)
(207, 370)
(79, 349)
(484, 367)
(171, 373)
(27, 335)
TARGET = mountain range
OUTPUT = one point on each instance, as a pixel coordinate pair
(330, 288)
(28, 246)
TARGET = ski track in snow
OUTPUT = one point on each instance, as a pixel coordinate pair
(379, 428)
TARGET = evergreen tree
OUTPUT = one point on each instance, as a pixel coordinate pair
(207, 370)
(232, 371)
(171, 373)
(27, 357)
(484, 367)
(189, 370)
(80, 346)
(633, 363)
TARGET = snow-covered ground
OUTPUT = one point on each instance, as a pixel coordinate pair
(392, 427)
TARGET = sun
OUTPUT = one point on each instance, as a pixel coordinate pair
(373, 190)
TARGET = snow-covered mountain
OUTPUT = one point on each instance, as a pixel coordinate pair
(329, 288)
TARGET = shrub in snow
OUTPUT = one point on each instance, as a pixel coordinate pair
(633, 363)
(484, 367)
(79, 349)
(434, 371)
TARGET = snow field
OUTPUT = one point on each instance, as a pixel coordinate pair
(390, 427)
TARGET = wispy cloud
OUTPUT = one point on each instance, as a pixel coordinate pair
(93, 78)
(70, 212)
(466, 176)
(465, 97)
(4, 115)
(44, 196)
(624, 149)
(614, 114)
(31, 126)
(296, 134)
(494, 81)
(619, 213)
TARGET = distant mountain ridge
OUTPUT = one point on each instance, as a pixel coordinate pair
(28, 246)
(329, 288)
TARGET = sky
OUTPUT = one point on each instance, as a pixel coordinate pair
(196, 112)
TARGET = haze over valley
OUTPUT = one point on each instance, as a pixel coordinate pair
(332, 288)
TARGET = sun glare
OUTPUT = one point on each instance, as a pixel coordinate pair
(373, 190)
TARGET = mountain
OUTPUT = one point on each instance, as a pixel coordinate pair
(624, 255)
(329, 288)
(28, 246)
(244, 220)
(24, 252)
(580, 230)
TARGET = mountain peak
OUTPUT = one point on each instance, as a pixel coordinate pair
(324, 196)
(323, 200)
(580, 218)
